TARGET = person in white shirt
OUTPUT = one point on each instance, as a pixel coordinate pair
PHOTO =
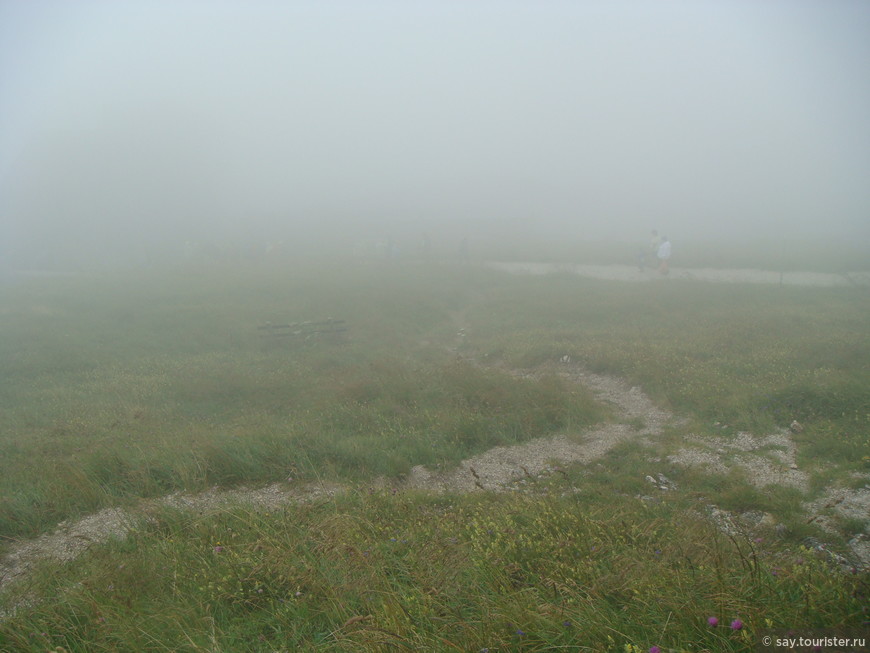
(664, 254)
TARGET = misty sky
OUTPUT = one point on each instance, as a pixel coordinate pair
(596, 118)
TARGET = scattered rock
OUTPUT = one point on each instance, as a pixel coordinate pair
(722, 519)
(767, 520)
(662, 482)
(757, 519)
(769, 460)
(860, 546)
(832, 556)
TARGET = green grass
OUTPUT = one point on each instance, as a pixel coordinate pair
(116, 389)
(124, 391)
(754, 358)
(377, 571)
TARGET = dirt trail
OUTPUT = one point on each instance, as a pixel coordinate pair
(495, 470)
(636, 417)
(716, 275)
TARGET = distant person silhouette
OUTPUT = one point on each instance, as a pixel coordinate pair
(664, 256)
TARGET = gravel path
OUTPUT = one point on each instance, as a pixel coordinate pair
(632, 273)
(494, 470)
(499, 467)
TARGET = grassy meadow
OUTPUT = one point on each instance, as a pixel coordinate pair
(121, 387)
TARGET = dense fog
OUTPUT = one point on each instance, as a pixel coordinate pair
(135, 131)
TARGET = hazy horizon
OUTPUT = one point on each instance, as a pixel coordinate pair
(143, 125)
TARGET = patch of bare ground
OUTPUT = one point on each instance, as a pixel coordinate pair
(714, 275)
(768, 460)
(847, 503)
(771, 460)
(71, 538)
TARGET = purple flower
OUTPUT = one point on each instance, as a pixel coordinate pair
(736, 624)
(713, 621)
(218, 549)
(654, 649)
(520, 633)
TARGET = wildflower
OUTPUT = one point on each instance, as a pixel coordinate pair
(520, 633)
(736, 624)
(218, 549)
(654, 649)
(567, 624)
(713, 621)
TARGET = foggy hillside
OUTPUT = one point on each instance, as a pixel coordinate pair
(129, 129)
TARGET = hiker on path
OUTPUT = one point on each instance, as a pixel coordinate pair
(664, 255)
